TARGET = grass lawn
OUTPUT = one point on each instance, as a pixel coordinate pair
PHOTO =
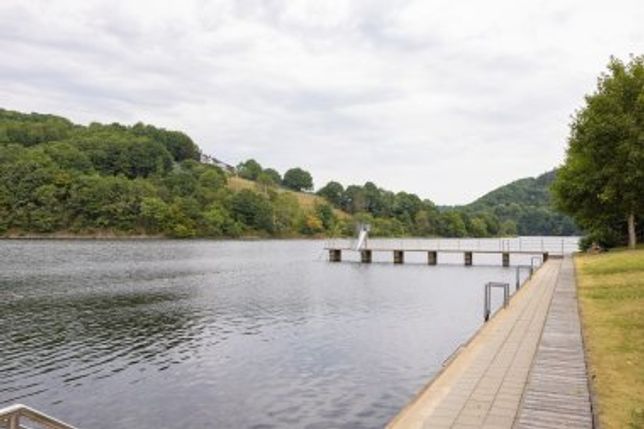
(611, 295)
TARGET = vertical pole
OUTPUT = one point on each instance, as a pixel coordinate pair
(518, 280)
(14, 421)
(486, 303)
(365, 256)
(506, 294)
(506, 259)
(335, 255)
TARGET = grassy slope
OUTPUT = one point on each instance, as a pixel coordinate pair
(611, 293)
(306, 201)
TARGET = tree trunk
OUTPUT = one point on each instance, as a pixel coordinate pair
(632, 239)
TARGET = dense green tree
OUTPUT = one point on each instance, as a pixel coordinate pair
(325, 213)
(211, 178)
(249, 169)
(406, 206)
(155, 215)
(601, 183)
(253, 210)
(508, 228)
(179, 145)
(333, 192)
(298, 179)
(477, 227)
(424, 225)
(452, 224)
(32, 129)
(273, 175)
(354, 200)
(181, 182)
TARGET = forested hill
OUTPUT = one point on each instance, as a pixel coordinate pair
(57, 177)
(527, 203)
(530, 191)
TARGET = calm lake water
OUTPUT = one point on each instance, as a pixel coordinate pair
(196, 334)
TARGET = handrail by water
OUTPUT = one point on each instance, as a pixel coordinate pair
(551, 245)
(518, 276)
(487, 303)
(12, 417)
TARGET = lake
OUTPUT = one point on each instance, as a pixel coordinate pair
(230, 334)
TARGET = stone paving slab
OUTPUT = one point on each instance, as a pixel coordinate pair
(483, 385)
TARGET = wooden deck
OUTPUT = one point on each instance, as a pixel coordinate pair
(491, 382)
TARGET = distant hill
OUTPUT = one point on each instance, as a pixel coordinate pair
(526, 202)
(66, 179)
(57, 177)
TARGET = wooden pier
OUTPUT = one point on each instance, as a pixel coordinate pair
(366, 254)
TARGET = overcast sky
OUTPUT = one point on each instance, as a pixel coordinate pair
(446, 99)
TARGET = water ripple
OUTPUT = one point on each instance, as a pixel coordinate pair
(223, 334)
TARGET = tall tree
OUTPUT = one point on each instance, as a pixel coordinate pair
(273, 175)
(250, 169)
(601, 184)
(298, 179)
(333, 192)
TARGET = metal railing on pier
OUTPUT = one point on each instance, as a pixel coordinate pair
(551, 245)
(23, 417)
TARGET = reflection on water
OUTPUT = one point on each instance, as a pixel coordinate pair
(224, 334)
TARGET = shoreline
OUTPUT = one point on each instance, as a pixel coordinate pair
(114, 236)
(107, 237)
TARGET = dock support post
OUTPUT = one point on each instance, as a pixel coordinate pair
(468, 258)
(545, 256)
(432, 258)
(399, 257)
(365, 256)
(335, 255)
(506, 259)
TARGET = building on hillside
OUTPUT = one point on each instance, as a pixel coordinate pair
(207, 159)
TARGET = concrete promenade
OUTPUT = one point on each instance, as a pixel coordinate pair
(498, 379)
(557, 394)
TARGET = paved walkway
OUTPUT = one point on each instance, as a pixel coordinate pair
(557, 393)
(484, 384)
